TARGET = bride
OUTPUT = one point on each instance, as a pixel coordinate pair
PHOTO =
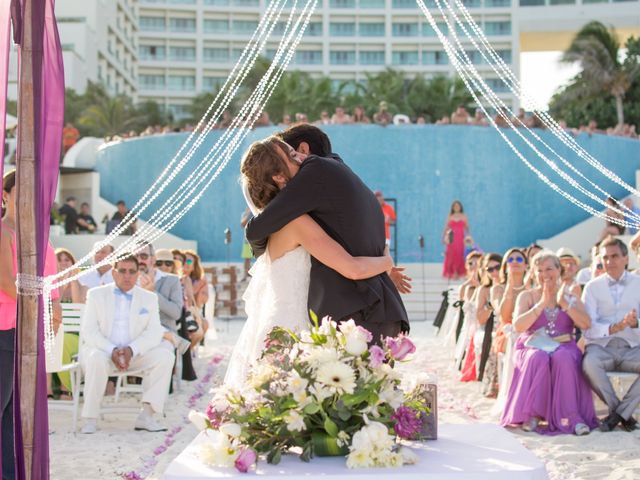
(278, 290)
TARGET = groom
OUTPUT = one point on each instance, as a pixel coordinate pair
(349, 212)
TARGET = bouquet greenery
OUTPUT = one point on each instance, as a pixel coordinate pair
(324, 392)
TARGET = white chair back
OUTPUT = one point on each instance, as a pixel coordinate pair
(71, 316)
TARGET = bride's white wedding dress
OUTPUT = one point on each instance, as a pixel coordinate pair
(276, 296)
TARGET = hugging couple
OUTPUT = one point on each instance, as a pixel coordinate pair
(318, 232)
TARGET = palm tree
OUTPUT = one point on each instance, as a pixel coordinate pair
(597, 49)
(109, 116)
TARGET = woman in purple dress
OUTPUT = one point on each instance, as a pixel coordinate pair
(547, 384)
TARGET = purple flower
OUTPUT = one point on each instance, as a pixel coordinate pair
(159, 450)
(376, 356)
(132, 476)
(214, 416)
(400, 347)
(407, 422)
(245, 460)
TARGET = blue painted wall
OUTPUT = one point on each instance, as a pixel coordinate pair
(424, 167)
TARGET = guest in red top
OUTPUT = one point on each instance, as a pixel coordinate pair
(389, 216)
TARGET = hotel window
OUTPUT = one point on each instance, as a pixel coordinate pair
(342, 3)
(472, 3)
(404, 58)
(537, 3)
(342, 57)
(179, 111)
(245, 3)
(182, 82)
(427, 31)
(183, 2)
(497, 3)
(216, 2)
(243, 26)
(219, 55)
(372, 58)
(309, 57)
(505, 55)
(371, 29)
(152, 52)
(314, 29)
(404, 4)
(497, 85)
(371, 3)
(438, 57)
(405, 29)
(212, 83)
(182, 54)
(151, 82)
(152, 24)
(475, 57)
(497, 28)
(340, 29)
(216, 26)
(182, 24)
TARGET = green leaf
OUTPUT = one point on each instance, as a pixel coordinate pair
(344, 415)
(274, 456)
(330, 427)
(314, 318)
(307, 452)
(312, 408)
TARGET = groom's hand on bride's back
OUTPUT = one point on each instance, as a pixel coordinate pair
(400, 280)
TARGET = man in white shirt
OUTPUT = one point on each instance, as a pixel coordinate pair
(101, 276)
(613, 340)
(121, 331)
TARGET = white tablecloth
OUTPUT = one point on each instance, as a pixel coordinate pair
(469, 452)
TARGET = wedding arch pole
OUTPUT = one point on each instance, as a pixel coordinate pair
(27, 322)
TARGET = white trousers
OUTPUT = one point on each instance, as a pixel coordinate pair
(156, 366)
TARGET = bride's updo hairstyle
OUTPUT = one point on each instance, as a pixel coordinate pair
(261, 162)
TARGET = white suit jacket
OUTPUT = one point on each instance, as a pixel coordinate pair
(145, 330)
(600, 305)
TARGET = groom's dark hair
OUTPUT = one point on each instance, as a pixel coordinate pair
(318, 141)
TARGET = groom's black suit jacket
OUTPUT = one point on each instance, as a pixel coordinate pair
(349, 212)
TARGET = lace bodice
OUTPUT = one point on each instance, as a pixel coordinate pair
(276, 296)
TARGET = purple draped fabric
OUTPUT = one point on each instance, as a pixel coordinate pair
(48, 94)
(5, 46)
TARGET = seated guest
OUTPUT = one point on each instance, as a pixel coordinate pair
(171, 267)
(72, 292)
(101, 276)
(547, 383)
(570, 265)
(595, 268)
(197, 289)
(168, 289)
(613, 340)
(121, 331)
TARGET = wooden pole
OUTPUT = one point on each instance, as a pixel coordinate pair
(27, 324)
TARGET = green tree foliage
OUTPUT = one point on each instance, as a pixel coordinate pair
(606, 81)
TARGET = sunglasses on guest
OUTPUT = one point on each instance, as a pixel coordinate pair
(515, 259)
(188, 261)
(495, 268)
(166, 263)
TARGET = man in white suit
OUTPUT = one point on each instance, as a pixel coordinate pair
(613, 340)
(121, 331)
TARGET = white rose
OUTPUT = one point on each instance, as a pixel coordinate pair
(200, 420)
(355, 345)
(348, 327)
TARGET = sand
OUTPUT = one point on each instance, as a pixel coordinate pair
(117, 448)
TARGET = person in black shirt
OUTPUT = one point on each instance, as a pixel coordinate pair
(86, 223)
(68, 211)
(118, 217)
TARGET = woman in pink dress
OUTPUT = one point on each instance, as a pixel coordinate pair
(455, 231)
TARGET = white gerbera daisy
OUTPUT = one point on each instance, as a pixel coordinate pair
(337, 376)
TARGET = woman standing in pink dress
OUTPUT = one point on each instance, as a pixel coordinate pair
(455, 231)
